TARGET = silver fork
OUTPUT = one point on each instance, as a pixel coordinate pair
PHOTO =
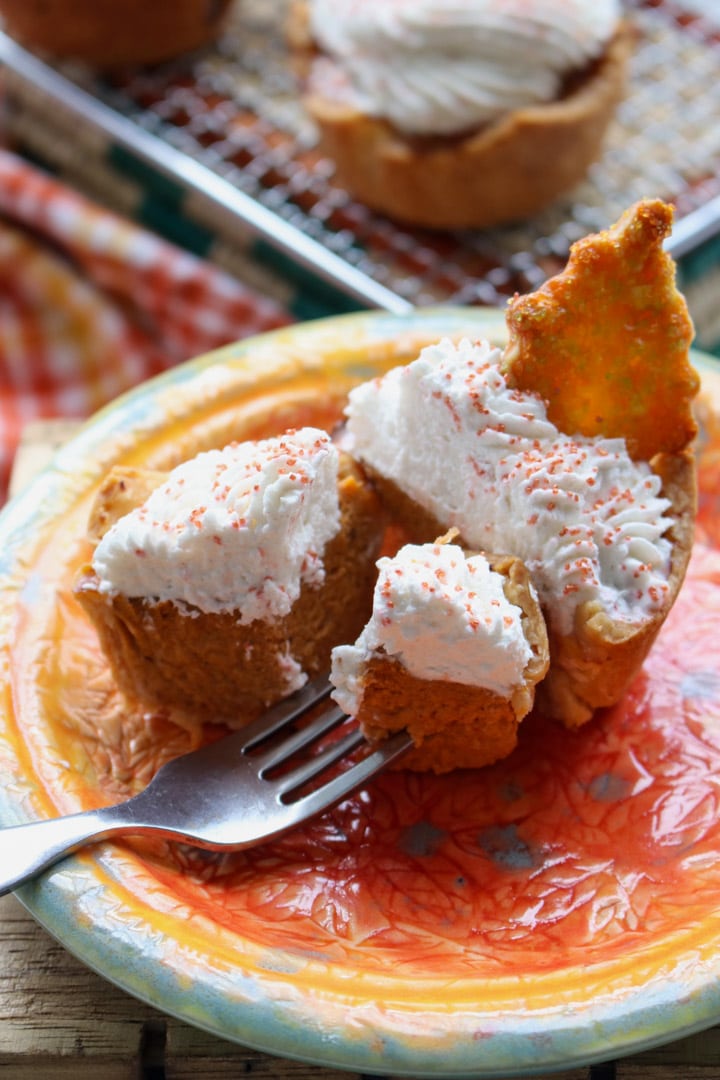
(235, 793)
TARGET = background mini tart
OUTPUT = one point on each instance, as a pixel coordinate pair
(490, 173)
(113, 33)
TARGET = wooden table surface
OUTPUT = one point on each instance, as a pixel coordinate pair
(59, 1019)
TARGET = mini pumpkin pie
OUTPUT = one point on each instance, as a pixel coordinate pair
(452, 653)
(225, 588)
(468, 114)
(589, 479)
(114, 33)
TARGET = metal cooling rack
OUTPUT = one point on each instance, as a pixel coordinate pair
(226, 130)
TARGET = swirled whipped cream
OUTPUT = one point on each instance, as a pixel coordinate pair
(443, 67)
(443, 616)
(233, 530)
(588, 521)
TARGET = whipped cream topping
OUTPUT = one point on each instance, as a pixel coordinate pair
(588, 521)
(443, 67)
(233, 530)
(442, 616)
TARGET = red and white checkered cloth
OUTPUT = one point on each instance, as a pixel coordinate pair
(91, 304)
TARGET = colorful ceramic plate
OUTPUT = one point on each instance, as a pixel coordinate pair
(556, 909)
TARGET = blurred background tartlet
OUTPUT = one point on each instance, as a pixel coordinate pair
(464, 115)
(113, 33)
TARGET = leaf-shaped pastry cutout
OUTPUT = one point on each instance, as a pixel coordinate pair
(606, 342)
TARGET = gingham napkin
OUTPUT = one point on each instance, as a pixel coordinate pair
(91, 305)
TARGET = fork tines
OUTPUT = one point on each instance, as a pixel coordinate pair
(273, 749)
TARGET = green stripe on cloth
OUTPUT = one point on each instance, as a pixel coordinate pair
(152, 181)
(165, 219)
(699, 279)
(315, 296)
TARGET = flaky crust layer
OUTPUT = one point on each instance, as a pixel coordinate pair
(454, 725)
(121, 491)
(506, 171)
(211, 668)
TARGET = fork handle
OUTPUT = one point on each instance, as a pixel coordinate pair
(27, 850)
